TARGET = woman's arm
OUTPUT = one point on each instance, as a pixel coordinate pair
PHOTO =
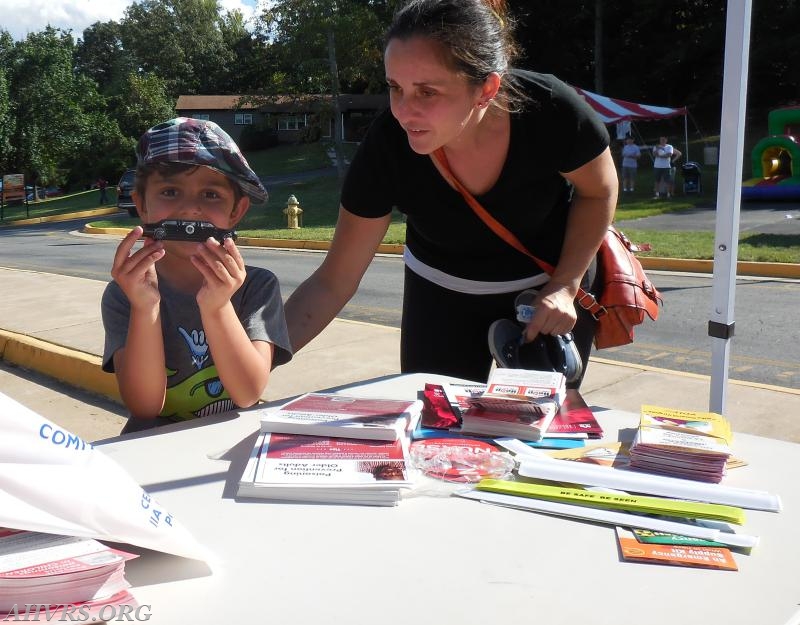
(591, 212)
(314, 304)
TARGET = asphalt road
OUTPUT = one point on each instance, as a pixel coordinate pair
(763, 349)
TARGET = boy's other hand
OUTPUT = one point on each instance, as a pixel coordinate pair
(223, 270)
(136, 272)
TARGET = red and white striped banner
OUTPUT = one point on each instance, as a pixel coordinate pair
(612, 110)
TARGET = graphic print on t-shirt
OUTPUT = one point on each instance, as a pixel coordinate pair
(202, 392)
(196, 341)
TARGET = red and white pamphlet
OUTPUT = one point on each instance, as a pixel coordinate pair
(329, 414)
(574, 418)
(49, 569)
(522, 390)
(295, 467)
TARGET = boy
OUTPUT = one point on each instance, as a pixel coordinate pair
(190, 330)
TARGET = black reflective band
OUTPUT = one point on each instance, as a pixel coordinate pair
(719, 330)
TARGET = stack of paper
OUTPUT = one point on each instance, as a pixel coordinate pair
(48, 570)
(328, 414)
(516, 403)
(682, 443)
(445, 406)
(529, 426)
(291, 467)
(523, 391)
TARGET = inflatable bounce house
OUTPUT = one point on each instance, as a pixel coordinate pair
(776, 159)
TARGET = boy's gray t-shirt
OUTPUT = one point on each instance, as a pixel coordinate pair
(193, 385)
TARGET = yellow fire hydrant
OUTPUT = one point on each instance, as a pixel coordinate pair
(293, 212)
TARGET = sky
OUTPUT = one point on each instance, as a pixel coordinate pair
(19, 17)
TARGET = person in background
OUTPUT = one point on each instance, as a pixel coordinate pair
(190, 329)
(102, 184)
(630, 163)
(664, 155)
(523, 143)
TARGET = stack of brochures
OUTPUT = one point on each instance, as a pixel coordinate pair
(60, 576)
(328, 448)
(328, 414)
(523, 391)
(517, 403)
(446, 406)
(682, 443)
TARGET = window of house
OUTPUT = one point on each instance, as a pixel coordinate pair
(204, 116)
(243, 119)
(292, 122)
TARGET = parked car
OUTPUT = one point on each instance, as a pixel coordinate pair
(124, 189)
(42, 192)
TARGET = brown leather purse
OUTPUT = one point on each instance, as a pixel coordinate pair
(627, 293)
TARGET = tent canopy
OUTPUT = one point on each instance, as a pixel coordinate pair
(612, 110)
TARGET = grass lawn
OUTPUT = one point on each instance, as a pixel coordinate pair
(319, 199)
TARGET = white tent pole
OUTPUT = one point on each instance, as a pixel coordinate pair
(729, 194)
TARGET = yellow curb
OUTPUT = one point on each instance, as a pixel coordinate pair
(295, 244)
(74, 367)
(682, 265)
(743, 268)
(301, 244)
(696, 376)
(93, 212)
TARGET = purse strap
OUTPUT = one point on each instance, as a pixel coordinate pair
(585, 299)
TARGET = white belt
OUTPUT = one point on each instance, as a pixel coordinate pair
(471, 287)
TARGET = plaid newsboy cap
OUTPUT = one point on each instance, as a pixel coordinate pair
(199, 142)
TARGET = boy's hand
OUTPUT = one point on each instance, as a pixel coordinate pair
(136, 273)
(222, 267)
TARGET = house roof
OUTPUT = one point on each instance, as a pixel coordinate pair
(210, 103)
(279, 103)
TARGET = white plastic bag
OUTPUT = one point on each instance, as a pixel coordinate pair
(52, 481)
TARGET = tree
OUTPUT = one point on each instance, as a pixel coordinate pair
(7, 121)
(64, 143)
(100, 56)
(298, 30)
(179, 40)
(141, 102)
(45, 136)
(252, 63)
(312, 39)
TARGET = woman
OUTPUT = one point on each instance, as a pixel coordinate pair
(524, 144)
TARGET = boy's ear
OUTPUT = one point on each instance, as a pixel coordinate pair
(240, 209)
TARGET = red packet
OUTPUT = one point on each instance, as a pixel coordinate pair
(436, 411)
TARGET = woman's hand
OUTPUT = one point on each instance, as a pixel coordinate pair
(555, 311)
